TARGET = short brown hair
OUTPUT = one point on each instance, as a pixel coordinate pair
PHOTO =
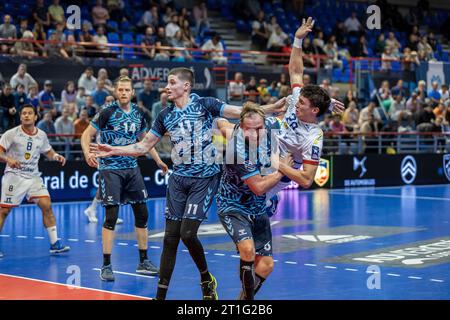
(123, 79)
(184, 74)
(318, 98)
(250, 108)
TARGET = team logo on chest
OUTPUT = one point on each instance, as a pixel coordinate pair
(27, 156)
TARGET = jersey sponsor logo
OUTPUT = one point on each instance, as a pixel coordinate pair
(27, 156)
(322, 173)
(315, 153)
(446, 164)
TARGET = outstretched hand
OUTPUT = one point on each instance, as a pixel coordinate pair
(305, 28)
(101, 150)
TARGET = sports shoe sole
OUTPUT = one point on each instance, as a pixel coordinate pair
(61, 250)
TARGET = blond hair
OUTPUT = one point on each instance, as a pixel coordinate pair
(123, 79)
(250, 108)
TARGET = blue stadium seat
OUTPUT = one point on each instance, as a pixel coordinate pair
(127, 38)
(24, 10)
(444, 56)
(125, 26)
(112, 25)
(139, 38)
(113, 38)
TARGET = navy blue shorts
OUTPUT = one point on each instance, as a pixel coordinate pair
(245, 227)
(120, 187)
(189, 197)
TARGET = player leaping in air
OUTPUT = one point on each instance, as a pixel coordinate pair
(21, 148)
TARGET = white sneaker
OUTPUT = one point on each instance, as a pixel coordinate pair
(90, 213)
(119, 221)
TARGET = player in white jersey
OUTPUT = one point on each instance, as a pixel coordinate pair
(21, 148)
(300, 134)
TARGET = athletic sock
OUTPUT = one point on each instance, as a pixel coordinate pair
(142, 255)
(258, 282)
(106, 259)
(162, 290)
(205, 276)
(247, 276)
(52, 234)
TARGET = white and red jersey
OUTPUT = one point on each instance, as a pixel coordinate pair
(303, 140)
(25, 148)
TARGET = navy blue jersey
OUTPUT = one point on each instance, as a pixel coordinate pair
(119, 128)
(190, 130)
(234, 194)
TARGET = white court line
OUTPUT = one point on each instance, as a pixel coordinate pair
(436, 280)
(128, 274)
(417, 278)
(4, 235)
(39, 238)
(349, 269)
(393, 275)
(330, 267)
(273, 260)
(235, 256)
(206, 252)
(89, 241)
(310, 265)
(290, 262)
(388, 196)
(155, 247)
(22, 237)
(219, 254)
(73, 240)
(65, 285)
(184, 250)
(122, 243)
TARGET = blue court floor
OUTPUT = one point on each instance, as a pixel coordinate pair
(377, 243)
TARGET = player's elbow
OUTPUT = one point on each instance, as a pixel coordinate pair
(305, 184)
(257, 188)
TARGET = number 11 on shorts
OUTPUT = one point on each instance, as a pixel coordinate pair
(194, 206)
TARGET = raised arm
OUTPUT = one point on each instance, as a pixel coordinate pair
(296, 58)
(234, 112)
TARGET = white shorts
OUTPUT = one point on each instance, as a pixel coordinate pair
(15, 188)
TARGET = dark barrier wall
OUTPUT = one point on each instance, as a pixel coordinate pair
(77, 181)
(384, 170)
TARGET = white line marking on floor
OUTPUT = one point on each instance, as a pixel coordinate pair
(122, 244)
(310, 265)
(290, 262)
(22, 237)
(129, 274)
(273, 260)
(73, 240)
(349, 269)
(219, 254)
(235, 256)
(388, 196)
(4, 235)
(436, 280)
(184, 250)
(393, 275)
(39, 238)
(155, 247)
(89, 241)
(417, 278)
(330, 267)
(206, 252)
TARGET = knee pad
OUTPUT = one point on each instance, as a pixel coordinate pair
(140, 215)
(112, 213)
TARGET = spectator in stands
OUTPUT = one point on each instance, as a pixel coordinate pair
(73, 111)
(284, 82)
(167, 15)
(7, 106)
(333, 57)
(172, 27)
(161, 41)
(56, 13)
(23, 26)
(336, 124)
(81, 97)
(179, 54)
(397, 106)
(349, 97)
(33, 95)
(124, 72)
(359, 49)
(236, 88)
(413, 103)
(188, 38)
(72, 49)
(22, 77)
(351, 117)
(369, 110)
(20, 97)
(69, 94)
(108, 100)
(149, 18)
(327, 86)
(325, 123)
(54, 49)
(370, 125)
(39, 35)
(306, 79)
(86, 36)
(404, 122)
(102, 41)
(284, 91)
(393, 44)
(7, 31)
(41, 15)
(352, 25)
(410, 60)
(399, 89)
(387, 57)
(439, 110)
(421, 90)
(276, 40)
(432, 41)
(88, 81)
(424, 50)
(273, 89)
(102, 74)
(273, 23)
(115, 10)
(385, 95)
(262, 88)
(99, 14)
(380, 44)
(444, 92)
(81, 123)
(46, 124)
(64, 126)
(413, 42)
(47, 99)
(215, 44)
(260, 32)
(425, 115)
(160, 105)
(90, 107)
(100, 94)
(148, 43)
(434, 94)
(308, 51)
(146, 97)
(251, 90)
(200, 14)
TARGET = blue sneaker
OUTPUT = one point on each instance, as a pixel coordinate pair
(107, 274)
(147, 268)
(58, 247)
(271, 209)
